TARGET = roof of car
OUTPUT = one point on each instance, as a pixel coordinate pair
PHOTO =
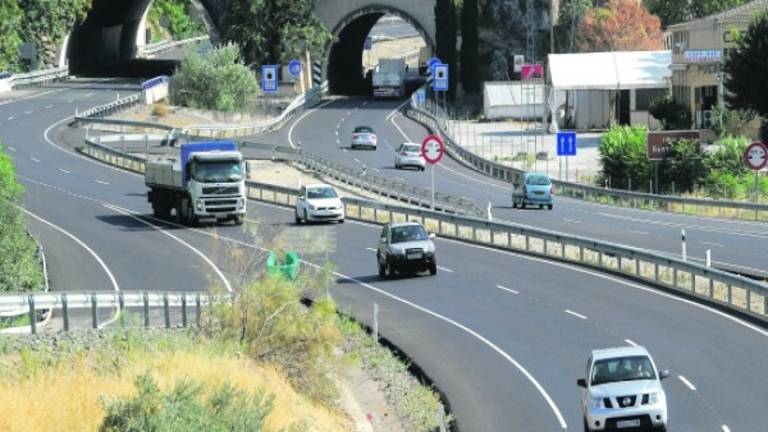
(318, 185)
(402, 224)
(364, 127)
(627, 351)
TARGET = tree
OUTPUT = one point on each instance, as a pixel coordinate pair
(470, 77)
(746, 67)
(445, 17)
(571, 14)
(48, 22)
(10, 35)
(672, 115)
(273, 31)
(676, 11)
(621, 25)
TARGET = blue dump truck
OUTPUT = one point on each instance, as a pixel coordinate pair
(206, 183)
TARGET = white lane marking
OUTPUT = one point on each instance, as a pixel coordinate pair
(349, 113)
(394, 112)
(11, 149)
(98, 259)
(725, 428)
(34, 159)
(134, 216)
(572, 221)
(637, 232)
(69, 101)
(11, 118)
(344, 150)
(8, 102)
(337, 133)
(686, 382)
(102, 182)
(377, 170)
(303, 116)
(688, 226)
(717, 245)
(89, 95)
(65, 171)
(445, 269)
(630, 342)
(338, 126)
(28, 112)
(357, 160)
(576, 314)
(370, 249)
(502, 287)
(48, 106)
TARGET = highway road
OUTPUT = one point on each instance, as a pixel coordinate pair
(735, 245)
(503, 335)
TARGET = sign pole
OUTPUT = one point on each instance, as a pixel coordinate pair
(433, 186)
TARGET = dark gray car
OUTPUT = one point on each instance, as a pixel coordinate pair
(405, 248)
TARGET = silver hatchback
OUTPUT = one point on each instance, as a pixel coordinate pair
(363, 136)
(409, 155)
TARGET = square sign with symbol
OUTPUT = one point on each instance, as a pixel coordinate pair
(269, 78)
(566, 143)
(440, 77)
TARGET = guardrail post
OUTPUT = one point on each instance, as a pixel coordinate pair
(674, 277)
(120, 300)
(581, 253)
(184, 310)
(600, 259)
(527, 243)
(376, 322)
(166, 311)
(145, 298)
(375, 214)
(65, 311)
(94, 311)
(474, 234)
(197, 310)
(728, 294)
(32, 314)
(656, 272)
(637, 267)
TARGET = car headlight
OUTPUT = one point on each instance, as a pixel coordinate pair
(242, 202)
(199, 204)
(312, 207)
(653, 398)
(595, 403)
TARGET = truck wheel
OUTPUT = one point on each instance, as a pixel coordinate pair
(382, 270)
(239, 219)
(191, 219)
(433, 269)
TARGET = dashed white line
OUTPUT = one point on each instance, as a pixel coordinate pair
(69, 101)
(686, 382)
(572, 221)
(576, 314)
(28, 112)
(638, 232)
(370, 249)
(357, 160)
(11, 118)
(65, 171)
(630, 342)
(102, 182)
(34, 159)
(89, 95)
(717, 245)
(48, 106)
(11, 149)
(725, 428)
(344, 150)
(445, 269)
(502, 287)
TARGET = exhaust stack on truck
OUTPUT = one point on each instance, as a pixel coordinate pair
(205, 184)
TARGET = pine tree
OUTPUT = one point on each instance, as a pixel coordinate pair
(445, 17)
(470, 78)
(746, 68)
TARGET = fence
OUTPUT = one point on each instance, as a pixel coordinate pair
(674, 204)
(735, 293)
(150, 50)
(39, 77)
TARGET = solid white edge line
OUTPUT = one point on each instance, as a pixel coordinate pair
(686, 382)
(502, 287)
(725, 428)
(134, 216)
(34, 159)
(98, 259)
(576, 314)
(630, 342)
(65, 171)
(12, 101)
(445, 269)
(102, 182)
(293, 126)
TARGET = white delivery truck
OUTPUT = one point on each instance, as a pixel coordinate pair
(206, 184)
(389, 78)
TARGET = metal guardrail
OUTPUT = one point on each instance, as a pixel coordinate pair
(155, 48)
(673, 204)
(39, 77)
(727, 290)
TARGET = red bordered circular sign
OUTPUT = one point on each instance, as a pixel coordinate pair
(756, 156)
(432, 149)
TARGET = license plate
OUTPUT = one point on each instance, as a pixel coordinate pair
(414, 256)
(628, 424)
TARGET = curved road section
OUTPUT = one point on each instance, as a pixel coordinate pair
(504, 336)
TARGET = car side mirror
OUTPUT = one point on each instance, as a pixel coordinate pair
(383, 240)
(432, 236)
(664, 374)
(581, 382)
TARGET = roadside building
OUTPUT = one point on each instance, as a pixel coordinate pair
(520, 100)
(595, 90)
(698, 50)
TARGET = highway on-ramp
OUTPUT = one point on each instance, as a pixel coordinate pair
(504, 336)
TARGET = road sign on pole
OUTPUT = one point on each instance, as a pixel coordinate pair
(432, 150)
(440, 77)
(432, 62)
(294, 68)
(566, 143)
(421, 97)
(368, 44)
(756, 156)
(269, 82)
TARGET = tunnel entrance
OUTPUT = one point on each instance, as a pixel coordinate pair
(348, 61)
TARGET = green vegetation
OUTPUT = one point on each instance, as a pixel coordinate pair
(274, 31)
(184, 408)
(217, 81)
(179, 23)
(675, 11)
(19, 266)
(10, 35)
(719, 173)
(470, 74)
(672, 115)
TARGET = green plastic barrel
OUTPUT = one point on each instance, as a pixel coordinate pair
(288, 267)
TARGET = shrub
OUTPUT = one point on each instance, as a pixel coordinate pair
(218, 81)
(623, 157)
(684, 166)
(733, 122)
(226, 409)
(671, 114)
(160, 109)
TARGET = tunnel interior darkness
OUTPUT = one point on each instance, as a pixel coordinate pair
(345, 61)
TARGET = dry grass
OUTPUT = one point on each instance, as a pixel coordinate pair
(65, 397)
(161, 109)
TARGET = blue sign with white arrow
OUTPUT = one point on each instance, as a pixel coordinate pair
(440, 77)
(294, 68)
(566, 143)
(269, 82)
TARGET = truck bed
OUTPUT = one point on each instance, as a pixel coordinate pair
(163, 174)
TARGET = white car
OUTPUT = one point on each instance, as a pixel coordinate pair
(319, 202)
(363, 136)
(622, 391)
(409, 155)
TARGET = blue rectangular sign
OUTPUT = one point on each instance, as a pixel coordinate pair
(269, 82)
(368, 43)
(566, 143)
(440, 77)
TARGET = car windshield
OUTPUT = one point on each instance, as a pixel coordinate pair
(321, 193)
(218, 172)
(411, 149)
(363, 129)
(537, 180)
(408, 233)
(622, 369)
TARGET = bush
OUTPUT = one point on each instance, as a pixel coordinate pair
(218, 81)
(160, 109)
(733, 122)
(180, 24)
(623, 157)
(672, 115)
(683, 167)
(184, 408)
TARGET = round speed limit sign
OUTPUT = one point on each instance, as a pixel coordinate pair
(432, 149)
(756, 156)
